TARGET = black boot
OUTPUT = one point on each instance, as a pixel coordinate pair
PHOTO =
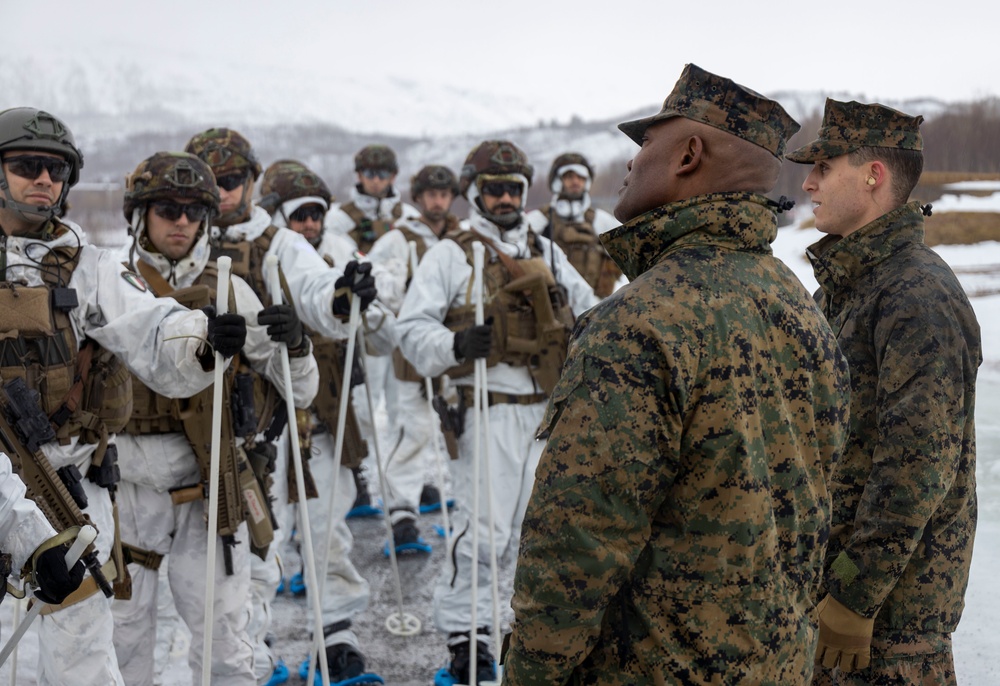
(458, 645)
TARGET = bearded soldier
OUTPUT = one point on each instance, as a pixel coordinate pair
(575, 225)
(170, 201)
(86, 301)
(523, 348)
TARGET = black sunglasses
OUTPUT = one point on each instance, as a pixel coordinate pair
(380, 173)
(311, 211)
(498, 188)
(228, 182)
(172, 210)
(31, 166)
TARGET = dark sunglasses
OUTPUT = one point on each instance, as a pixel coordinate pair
(31, 166)
(379, 173)
(228, 182)
(306, 212)
(172, 211)
(498, 188)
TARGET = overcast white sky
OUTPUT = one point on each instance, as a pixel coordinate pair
(594, 58)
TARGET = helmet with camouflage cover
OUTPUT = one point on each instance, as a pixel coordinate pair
(494, 158)
(28, 128)
(568, 159)
(286, 180)
(376, 157)
(433, 176)
(226, 151)
(170, 175)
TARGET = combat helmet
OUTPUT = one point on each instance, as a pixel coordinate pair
(226, 151)
(27, 128)
(433, 176)
(170, 174)
(494, 158)
(565, 160)
(286, 180)
(376, 157)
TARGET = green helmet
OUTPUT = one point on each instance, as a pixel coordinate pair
(226, 151)
(433, 176)
(170, 175)
(376, 157)
(566, 159)
(497, 158)
(286, 180)
(27, 128)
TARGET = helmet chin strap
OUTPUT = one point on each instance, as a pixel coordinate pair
(33, 214)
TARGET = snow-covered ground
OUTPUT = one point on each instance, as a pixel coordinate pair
(412, 661)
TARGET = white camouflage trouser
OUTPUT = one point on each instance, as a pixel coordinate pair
(514, 455)
(345, 592)
(75, 644)
(408, 459)
(150, 520)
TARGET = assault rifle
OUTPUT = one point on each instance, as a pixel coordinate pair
(24, 428)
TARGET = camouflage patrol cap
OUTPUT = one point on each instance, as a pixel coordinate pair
(170, 175)
(848, 126)
(226, 151)
(376, 157)
(433, 176)
(702, 96)
(497, 158)
(566, 159)
(286, 180)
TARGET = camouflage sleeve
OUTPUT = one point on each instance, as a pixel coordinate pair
(920, 414)
(605, 471)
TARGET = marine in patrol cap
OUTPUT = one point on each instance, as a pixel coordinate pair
(848, 126)
(720, 102)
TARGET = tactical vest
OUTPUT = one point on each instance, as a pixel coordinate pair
(532, 319)
(366, 231)
(153, 413)
(85, 390)
(330, 357)
(583, 249)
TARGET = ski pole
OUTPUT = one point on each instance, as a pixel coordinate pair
(221, 307)
(479, 382)
(439, 462)
(274, 288)
(338, 451)
(83, 539)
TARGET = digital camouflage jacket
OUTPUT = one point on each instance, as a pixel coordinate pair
(905, 493)
(680, 513)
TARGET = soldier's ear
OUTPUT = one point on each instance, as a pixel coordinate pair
(690, 155)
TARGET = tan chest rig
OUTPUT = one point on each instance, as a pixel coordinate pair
(241, 496)
(366, 231)
(532, 319)
(85, 391)
(583, 249)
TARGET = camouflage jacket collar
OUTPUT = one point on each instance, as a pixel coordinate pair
(740, 221)
(837, 261)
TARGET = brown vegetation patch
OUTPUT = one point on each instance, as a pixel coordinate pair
(961, 228)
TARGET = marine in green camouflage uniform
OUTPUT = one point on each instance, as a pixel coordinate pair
(905, 493)
(677, 527)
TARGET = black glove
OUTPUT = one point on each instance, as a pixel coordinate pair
(55, 582)
(226, 332)
(363, 287)
(283, 325)
(474, 342)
